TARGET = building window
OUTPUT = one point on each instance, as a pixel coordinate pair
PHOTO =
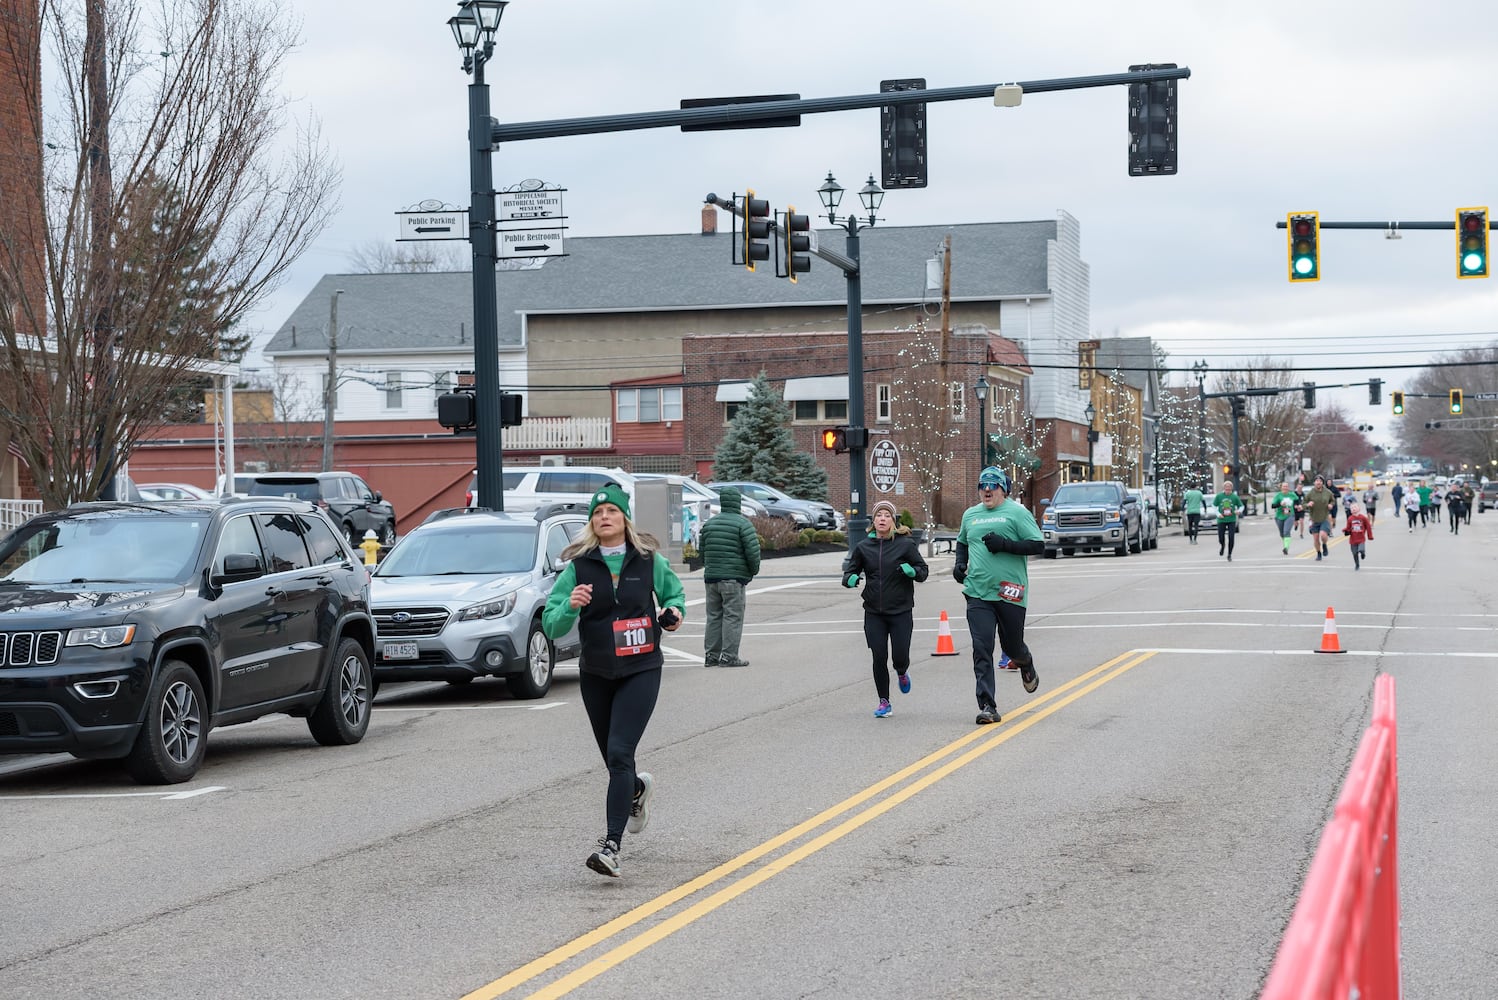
(649, 406)
(815, 410)
(957, 393)
(730, 410)
(883, 402)
(393, 387)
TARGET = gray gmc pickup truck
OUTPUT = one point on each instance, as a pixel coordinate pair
(1090, 517)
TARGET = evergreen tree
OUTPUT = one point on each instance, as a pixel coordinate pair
(759, 447)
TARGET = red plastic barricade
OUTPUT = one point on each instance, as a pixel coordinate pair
(1343, 938)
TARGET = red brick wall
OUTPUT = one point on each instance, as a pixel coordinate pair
(20, 160)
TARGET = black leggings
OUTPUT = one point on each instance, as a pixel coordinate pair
(1192, 521)
(886, 632)
(1227, 533)
(1413, 514)
(619, 708)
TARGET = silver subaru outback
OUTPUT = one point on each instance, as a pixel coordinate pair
(461, 597)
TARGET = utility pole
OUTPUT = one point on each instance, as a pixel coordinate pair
(1200, 368)
(330, 393)
(946, 382)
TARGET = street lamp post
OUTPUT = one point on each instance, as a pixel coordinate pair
(473, 28)
(1091, 414)
(871, 195)
(981, 391)
(1200, 368)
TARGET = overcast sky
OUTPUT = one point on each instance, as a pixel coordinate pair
(1371, 111)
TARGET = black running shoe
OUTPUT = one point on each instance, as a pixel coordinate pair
(605, 860)
(987, 715)
(1029, 678)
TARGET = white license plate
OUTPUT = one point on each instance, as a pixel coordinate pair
(401, 651)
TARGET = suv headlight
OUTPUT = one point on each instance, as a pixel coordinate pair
(1049, 517)
(1115, 516)
(497, 608)
(800, 518)
(107, 637)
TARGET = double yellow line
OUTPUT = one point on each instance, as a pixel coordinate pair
(985, 739)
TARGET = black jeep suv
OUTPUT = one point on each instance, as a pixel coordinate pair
(133, 629)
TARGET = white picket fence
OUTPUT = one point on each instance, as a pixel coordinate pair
(14, 513)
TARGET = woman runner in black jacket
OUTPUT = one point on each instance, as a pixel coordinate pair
(892, 563)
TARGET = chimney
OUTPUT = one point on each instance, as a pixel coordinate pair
(709, 220)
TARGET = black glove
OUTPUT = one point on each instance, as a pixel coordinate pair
(959, 573)
(668, 618)
(995, 543)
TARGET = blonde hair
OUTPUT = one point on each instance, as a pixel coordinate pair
(587, 541)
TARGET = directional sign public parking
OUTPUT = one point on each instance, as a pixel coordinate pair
(446, 225)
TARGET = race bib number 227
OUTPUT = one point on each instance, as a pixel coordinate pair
(1012, 592)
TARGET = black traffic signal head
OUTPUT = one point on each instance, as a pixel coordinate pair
(756, 230)
(1375, 391)
(510, 409)
(1309, 389)
(1398, 398)
(797, 230)
(1454, 404)
(456, 411)
(1238, 406)
(1152, 124)
(835, 439)
(902, 138)
(1472, 242)
(1304, 230)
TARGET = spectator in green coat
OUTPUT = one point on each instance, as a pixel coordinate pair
(730, 559)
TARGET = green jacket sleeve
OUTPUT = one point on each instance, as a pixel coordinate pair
(668, 589)
(559, 615)
(751, 546)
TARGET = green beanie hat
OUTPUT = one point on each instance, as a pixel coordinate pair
(611, 493)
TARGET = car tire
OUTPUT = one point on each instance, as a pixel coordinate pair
(534, 679)
(342, 714)
(387, 534)
(1123, 547)
(169, 748)
(1137, 545)
(355, 536)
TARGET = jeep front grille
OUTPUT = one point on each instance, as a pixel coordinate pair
(409, 623)
(25, 649)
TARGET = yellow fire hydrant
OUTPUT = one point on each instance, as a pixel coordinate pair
(371, 547)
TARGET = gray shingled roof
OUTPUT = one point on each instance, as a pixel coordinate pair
(388, 313)
(1135, 356)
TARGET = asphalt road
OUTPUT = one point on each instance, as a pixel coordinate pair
(1137, 828)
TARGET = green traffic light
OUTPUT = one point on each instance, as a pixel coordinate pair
(1305, 266)
(1472, 263)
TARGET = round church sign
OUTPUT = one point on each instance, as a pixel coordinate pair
(884, 465)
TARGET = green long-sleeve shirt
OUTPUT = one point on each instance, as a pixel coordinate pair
(560, 616)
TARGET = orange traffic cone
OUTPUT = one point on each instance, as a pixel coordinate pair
(1329, 643)
(944, 645)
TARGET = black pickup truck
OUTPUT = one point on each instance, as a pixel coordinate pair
(1089, 517)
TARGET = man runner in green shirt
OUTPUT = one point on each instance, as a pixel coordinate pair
(1228, 504)
(1320, 503)
(1191, 506)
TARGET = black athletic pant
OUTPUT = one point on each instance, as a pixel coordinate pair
(886, 632)
(619, 709)
(983, 619)
(1227, 534)
(1192, 521)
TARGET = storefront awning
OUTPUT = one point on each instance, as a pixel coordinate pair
(818, 387)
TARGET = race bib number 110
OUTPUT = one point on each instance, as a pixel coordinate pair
(633, 636)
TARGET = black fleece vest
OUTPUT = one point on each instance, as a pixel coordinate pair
(632, 597)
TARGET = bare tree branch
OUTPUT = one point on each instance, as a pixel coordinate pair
(214, 191)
